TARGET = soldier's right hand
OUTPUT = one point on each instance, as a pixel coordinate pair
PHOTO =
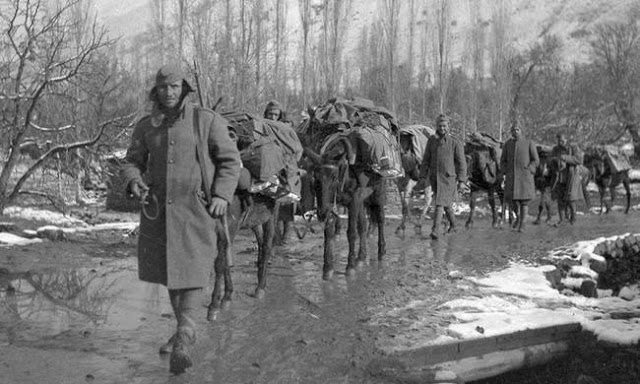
(138, 190)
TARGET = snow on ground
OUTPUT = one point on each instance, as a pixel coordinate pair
(520, 297)
(57, 222)
(51, 217)
(11, 239)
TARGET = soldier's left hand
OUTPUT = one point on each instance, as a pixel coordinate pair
(462, 187)
(218, 207)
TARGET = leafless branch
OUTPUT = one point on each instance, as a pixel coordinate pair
(56, 129)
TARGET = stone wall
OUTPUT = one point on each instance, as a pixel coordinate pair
(598, 268)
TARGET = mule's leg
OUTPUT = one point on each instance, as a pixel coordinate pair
(612, 197)
(491, 196)
(378, 210)
(601, 191)
(405, 211)
(265, 255)
(472, 208)
(425, 210)
(612, 193)
(356, 228)
(219, 284)
(627, 188)
(222, 274)
(362, 240)
(547, 204)
(330, 230)
(540, 209)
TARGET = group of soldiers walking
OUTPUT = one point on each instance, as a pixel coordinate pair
(444, 166)
(182, 148)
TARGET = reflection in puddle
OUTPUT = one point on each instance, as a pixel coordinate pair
(34, 305)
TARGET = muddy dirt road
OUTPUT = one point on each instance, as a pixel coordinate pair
(74, 311)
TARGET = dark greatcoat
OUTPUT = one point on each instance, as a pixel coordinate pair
(177, 248)
(445, 163)
(568, 161)
(518, 162)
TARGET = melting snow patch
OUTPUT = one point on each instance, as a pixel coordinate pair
(520, 298)
(51, 217)
(8, 239)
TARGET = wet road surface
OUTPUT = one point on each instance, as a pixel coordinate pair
(76, 313)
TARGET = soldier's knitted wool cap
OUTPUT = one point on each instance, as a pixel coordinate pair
(169, 73)
(442, 117)
(273, 104)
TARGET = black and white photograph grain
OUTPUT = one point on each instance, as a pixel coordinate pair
(319, 191)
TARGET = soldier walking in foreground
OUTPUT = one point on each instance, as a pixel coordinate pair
(445, 166)
(176, 246)
(518, 163)
(566, 160)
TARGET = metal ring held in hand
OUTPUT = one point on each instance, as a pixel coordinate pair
(154, 201)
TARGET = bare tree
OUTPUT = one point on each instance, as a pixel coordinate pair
(390, 23)
(306, 21)
(543, 54)
(443, 41)
(39, 69)
(411, 54)
(617, 48)
(500, 52)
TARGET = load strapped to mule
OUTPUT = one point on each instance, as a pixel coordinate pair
(270, 151)
(483, 157)
(419, 136)
(613, 156)
(373, 129)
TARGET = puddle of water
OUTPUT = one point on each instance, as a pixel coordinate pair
(35, 305)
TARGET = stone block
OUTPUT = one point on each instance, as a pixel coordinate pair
(51, 232)
(598, 264)
(629, 292)
(7, 226)
(588, 288)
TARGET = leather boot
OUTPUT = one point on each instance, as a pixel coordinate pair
(524, 211)
(174, 297)
(452, 219)
(436, 230)
(186, 333)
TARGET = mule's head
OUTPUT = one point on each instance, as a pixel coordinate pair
(331, 172)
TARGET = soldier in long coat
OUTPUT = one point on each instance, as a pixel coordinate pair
(566, 161)
(176, 246)
(518, 162)
(445, 166)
